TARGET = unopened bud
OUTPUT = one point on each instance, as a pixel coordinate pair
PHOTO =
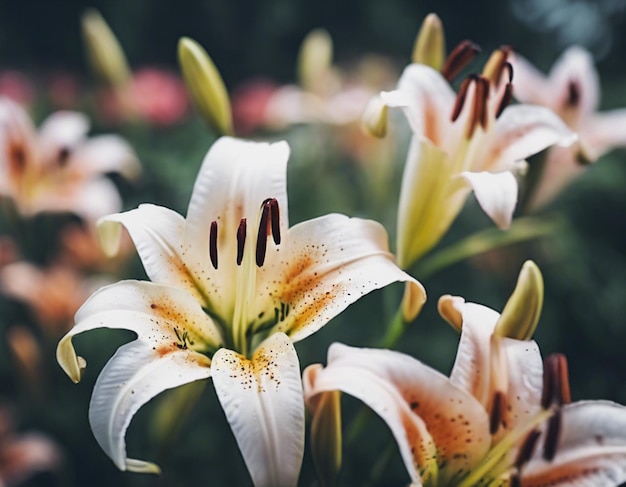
(314, 59)
(521, 313)
(374, 117)
(430, 44)
(205, 84)
(104, 52)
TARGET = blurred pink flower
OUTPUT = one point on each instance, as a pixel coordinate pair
(63, 90)
(153, 95)
(58, 169)
(572, 91)
(17, 86)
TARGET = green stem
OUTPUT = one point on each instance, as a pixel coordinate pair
(521, 230)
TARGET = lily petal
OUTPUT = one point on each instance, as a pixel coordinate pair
(496, 194)
(427, 99)
(160, 315)
(105, 153)
(521, 131)
(530, 85)
(436, 424)
(134, 375)
(62, 129)
(156, 232)
(591, 449)
(603, 132)
(323, 277)
(262, 400)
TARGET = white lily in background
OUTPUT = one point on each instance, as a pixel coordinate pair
(470, 141)
(495, 422)
(58, 169)
(232, 287)
(571, 89)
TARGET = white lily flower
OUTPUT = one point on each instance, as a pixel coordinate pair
(499, 420)
(572, 90)
(470, 141)
(232, 287)
(58, 169)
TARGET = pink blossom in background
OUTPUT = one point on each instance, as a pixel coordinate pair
(17, 86)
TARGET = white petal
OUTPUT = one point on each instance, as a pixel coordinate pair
(522, 131)
(530, 85)
(325, 265)
(157, 233)
(603, 132)
(591, 449)
(133, 376)
(62, 130)
(234, 180)
(105, 153)
(427, 99)
(262, 400)
(158, 314)
(496, 194)
(430, 418)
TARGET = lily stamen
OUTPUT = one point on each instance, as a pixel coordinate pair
(275, 219)
(479, 114)
(461, 96)
(573, 93)
(241, 240)
(497, 411)
(507, 97)
(213, 244)
(459, 58)
(556, 390)
(261, 242)
(552, 435)
(497, 64)
(527, 449)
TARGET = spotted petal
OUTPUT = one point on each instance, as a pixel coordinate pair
(134, 375)
(591, 449)
(441, 430)
(160, 316)
(262, 400)
(327, 264)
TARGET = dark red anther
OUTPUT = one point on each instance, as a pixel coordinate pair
(461, 96)
(497, 412)
(458, 59)
(553, 434)
(275, 219)
(527, 448)
(556, 390)
(573, 93)
(261, 242)
(213, 244)
(241, 240)
(507, 97)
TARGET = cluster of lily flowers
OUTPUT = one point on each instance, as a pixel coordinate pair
(232, 286)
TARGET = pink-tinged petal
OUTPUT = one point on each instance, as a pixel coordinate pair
(19, 152)
(234, 180)
(441, 430)
(427, 100)
(520, 375)
(496, 194)
(471, 370)
(165, 319)
(157, 233)
(26, 454)
(262, 400)
(62, 130)
(529, 84)
(521, 131)
(90, 200)
(603, 132)
(134, 375)
(591, 449)
(105, 153)
(326, 264)
(575, 84)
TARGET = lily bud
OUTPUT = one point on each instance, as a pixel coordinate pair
(104, 52)
(430, 44)
(521, 313)
(206, 86)
(314, 59)
(326, 437)
(374, 117)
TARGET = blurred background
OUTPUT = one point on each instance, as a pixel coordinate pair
(42, 64)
